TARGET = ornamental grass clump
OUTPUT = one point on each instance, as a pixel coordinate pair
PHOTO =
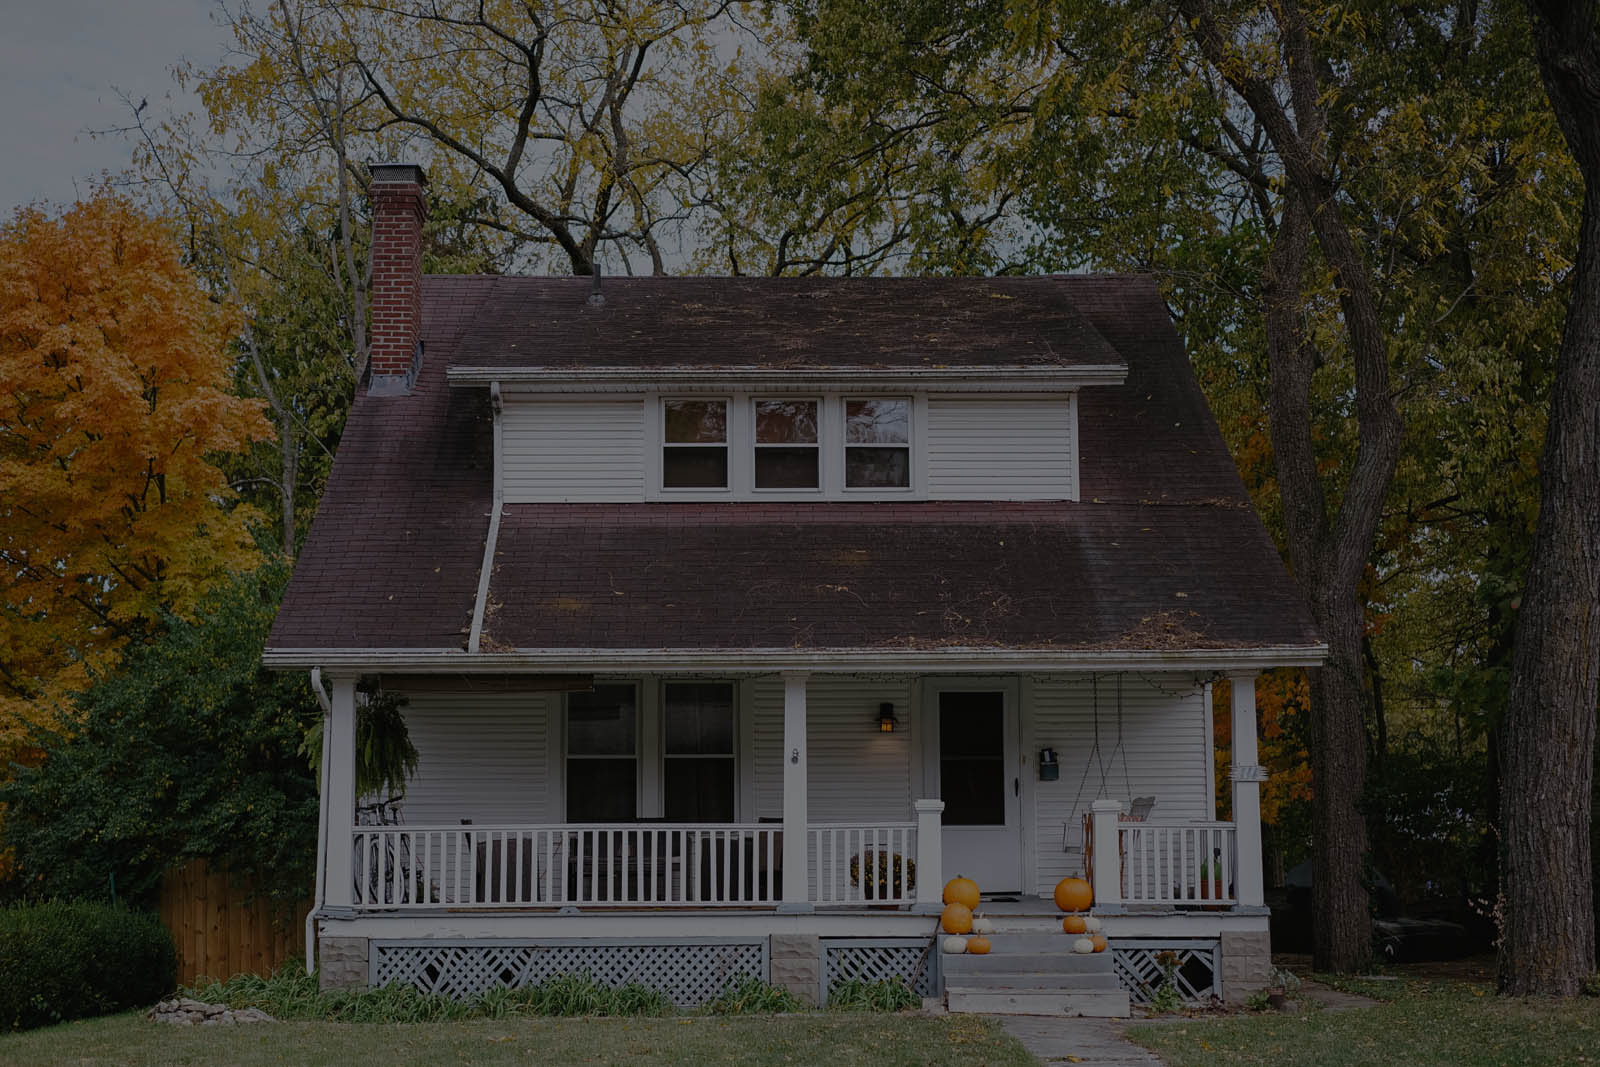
(752, 996)
(886, 994)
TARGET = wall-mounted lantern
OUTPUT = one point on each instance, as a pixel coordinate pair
(886, 719)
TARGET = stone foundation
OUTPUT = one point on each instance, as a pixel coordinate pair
(344, 962)
(797, 965)
(1246, 964)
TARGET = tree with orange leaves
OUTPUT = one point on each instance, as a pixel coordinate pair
(114, 375)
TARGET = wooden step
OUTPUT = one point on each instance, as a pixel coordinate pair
(1100, 1004)
(1045, 944)
(1035, 980)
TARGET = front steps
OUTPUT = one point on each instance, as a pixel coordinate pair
(1033, 972)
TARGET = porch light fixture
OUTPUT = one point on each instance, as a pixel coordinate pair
(886, 719)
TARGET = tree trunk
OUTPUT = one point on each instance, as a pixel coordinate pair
(1547, 941)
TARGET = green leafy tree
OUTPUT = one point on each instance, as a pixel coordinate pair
(189, 751)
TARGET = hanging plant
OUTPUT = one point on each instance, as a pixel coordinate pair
(385, 756)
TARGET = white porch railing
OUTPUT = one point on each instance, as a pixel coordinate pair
(1178, 863)
(860, 863)
(603, 865)
(636, 865)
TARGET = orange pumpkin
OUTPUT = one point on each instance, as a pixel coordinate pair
(956, 919)
(1074, 924)
(1073, 894)
(978, 946)
(1099, 942)
(962, 890)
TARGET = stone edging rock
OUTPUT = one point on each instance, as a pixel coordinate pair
(187, 1012)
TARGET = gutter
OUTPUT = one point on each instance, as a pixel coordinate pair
(1021, 379)
(319, 894)
(952, 660)
(475, 638)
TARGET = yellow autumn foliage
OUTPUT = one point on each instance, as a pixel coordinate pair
(114, 393)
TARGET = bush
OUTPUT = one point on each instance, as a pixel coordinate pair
(888, 994)
(69, 961)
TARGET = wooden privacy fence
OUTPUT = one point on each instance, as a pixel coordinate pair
(219, 932)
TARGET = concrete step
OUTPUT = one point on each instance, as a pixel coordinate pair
(996, 981)
(1100, 1004)
(1014, 962)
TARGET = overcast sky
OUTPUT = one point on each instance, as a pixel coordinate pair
(61, 62)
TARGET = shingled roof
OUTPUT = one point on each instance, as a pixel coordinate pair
(1163, 553)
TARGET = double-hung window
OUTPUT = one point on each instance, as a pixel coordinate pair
(602, 755)
(786, 445)
(877, 443)
(698, 780)
(694, 452)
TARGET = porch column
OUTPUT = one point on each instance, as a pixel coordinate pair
(1106, 836)
(339, 755)
(930, 855)
(796, 854)
(1247, 775)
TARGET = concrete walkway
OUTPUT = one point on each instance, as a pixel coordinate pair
(1093, 1042)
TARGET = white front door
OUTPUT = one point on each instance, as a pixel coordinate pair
(980, 783)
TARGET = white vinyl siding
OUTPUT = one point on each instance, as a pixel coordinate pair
(856, 773)
(984, 448)
(580, 449)
(1163, 748)
(480, 756)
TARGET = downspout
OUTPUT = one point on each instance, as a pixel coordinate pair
(319, 894)
(475, 638)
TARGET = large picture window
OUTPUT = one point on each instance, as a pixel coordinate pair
(602, 755)
(694, 452)
(877, 440)
(698, 779)
(786, 444)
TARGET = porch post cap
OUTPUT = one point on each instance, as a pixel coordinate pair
(1107, 805)
(928, 806)
(1243, 675)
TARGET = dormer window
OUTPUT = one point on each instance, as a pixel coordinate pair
(786, 446)
(694, 452)
(877, 443)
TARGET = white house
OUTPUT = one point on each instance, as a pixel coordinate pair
(733, 616)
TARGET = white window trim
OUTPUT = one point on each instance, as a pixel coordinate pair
(731, 434)
(649, 747)
(741, 447)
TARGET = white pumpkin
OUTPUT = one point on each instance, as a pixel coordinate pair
(959, 944)
(1091, 924)
(1083, 944)
(983, 925)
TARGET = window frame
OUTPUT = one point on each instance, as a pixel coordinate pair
(754, 401)
(910, 446)
(733, 754)
(730, 407)
(639, 742)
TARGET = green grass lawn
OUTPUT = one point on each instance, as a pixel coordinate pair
(839, 1039)
(1456, 1024)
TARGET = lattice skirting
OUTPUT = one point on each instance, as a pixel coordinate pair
(874, 959)
(1198, 974)
(690, 972)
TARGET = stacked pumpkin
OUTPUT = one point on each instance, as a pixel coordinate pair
(1074, 897)
(957, 919)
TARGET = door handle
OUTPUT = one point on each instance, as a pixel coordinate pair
(1016, 787)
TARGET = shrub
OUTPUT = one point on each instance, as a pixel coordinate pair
(65, 961)
(752, 996)
(887, 994)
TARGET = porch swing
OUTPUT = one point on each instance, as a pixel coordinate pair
(1075, 830)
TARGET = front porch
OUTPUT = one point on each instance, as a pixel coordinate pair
(507, 899)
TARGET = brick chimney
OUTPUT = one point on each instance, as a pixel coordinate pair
(399, 207)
